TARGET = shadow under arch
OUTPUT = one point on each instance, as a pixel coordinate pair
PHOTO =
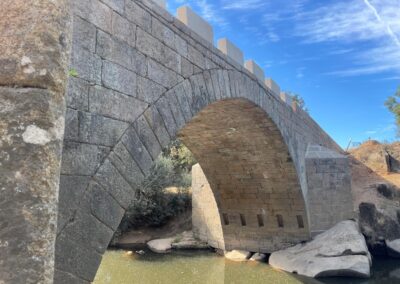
(253, 167)
(251, 174)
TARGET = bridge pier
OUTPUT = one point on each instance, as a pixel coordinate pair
(34, 48)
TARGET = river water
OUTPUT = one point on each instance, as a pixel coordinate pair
(118, 267)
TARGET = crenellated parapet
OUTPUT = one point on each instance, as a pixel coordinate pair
(200, 26)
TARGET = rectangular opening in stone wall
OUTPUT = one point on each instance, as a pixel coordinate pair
(260, 219)
(279, 218)
(243, 220)
(225, 218)
(300, 221)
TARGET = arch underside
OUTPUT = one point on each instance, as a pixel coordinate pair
(251, 174)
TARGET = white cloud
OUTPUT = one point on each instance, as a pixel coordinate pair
(210, 13)
(370, 27)
(243, 4)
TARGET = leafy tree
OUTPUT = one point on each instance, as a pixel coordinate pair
(393, 104)
(299, 100)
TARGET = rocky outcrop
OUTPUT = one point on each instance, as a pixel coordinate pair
(380, 230)
(238, 255)
(340, 251)
(182, 241)
(186, 240)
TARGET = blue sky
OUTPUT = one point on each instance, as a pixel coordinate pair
(341, 56)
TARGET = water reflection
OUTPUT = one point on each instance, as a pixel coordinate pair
(206, 267)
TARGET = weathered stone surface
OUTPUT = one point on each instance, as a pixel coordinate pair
(162, 75)
(148, 90)
(86, 65)
(156, 122)
(95, 129)
(77, 94)
(160, 245)
(31, 131)
(183, 102)
(70, 198)
(34, 53)
(95, 12)
(329, 178)
(138, 151)
(110, 179)
(176, 109)
(82, 159)
(238, 255)
(62, 277)
(116, 105)
(117, 5)
(138, 15)
(126, 165)
(166, 113)
(377, 226)
(85, 230)
(120, 52)
(84, 34)
(118, 78)
(340, 251)
(148, 137)
(75, 259)
(123, 29)
(161, 53)
(99, 203)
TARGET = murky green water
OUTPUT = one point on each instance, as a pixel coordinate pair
(118, 267)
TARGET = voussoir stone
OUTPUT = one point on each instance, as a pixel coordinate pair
(340, 251)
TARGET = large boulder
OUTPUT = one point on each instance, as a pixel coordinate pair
(393, 248)
(238, 255)
(340, 251)
(379, 228)
(160, 245)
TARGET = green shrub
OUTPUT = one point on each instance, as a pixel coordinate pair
(154, 205)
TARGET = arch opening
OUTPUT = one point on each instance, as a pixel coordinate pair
(251, 175)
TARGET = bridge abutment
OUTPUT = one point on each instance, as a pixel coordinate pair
(34, 56)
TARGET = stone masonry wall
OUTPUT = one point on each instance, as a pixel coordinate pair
(206, 221)
(329, 183)
(34, 49)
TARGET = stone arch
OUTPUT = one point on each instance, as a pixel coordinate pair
(201, 101)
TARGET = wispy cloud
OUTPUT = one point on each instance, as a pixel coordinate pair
(389, 29)
(372, 26)
(209, 12)
(243, 4)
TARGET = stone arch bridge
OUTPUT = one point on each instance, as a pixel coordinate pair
(139, 78)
